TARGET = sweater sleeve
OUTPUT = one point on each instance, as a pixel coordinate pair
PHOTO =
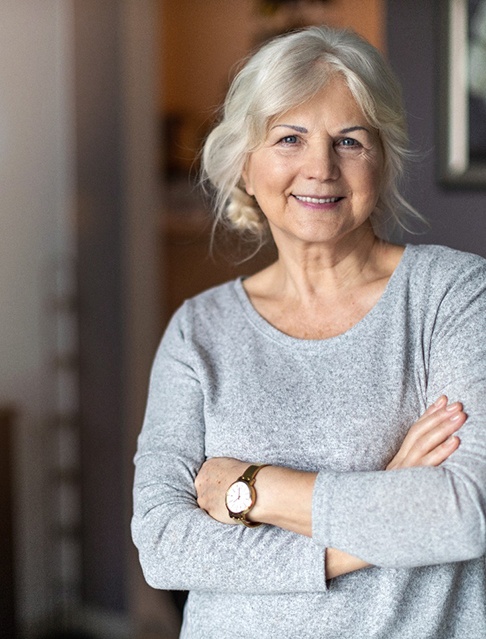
(180, 546)
(424, 516)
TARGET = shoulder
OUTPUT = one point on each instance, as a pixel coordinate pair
(447, 289)
(207, 312)
(201, 324)
(444, 258)
(445, 268)
(213, 302)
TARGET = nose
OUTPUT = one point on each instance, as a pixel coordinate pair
(321, 162)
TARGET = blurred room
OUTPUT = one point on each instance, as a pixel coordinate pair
(103, 106)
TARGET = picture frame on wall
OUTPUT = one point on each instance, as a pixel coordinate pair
(462, 110)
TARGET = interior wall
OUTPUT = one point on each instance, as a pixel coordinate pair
(102, 280)
(118, 263)
(36, 147)
(457, 216)
(38, 177)
(151, 611)
(100, 227)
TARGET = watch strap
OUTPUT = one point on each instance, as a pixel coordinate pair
(251, 472)
(249, 477)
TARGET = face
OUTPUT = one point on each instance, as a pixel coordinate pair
(317, 175)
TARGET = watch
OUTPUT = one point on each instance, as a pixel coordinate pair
(241, 496)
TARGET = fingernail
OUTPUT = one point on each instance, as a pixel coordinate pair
(440, 401)
(453, 407)
(455, 418)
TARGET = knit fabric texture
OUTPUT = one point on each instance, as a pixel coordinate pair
(227, 383)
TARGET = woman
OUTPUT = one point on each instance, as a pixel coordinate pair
(316, 368)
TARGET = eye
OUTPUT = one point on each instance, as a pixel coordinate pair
(289, 140)
(349, 143)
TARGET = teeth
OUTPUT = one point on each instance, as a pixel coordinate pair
(317, 200)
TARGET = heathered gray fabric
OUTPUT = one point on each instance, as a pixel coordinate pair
(226, 383)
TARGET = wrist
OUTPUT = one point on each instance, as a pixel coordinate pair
(241, 496)
(340, 563)
(284, 499)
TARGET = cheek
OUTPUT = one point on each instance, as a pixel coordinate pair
(377, 172)
(370, 178)
(256, 179)
(268, 171)
(374, 179)
(377, 182)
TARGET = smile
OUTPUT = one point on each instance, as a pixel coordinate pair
(317, 200)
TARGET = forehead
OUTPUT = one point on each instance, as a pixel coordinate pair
(332, 104)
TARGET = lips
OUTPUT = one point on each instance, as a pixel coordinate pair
(317, 200)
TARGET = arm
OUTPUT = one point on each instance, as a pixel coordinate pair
(180, 546)
(285, 495)
(425, 516)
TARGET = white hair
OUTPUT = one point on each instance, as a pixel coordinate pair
(283, 74)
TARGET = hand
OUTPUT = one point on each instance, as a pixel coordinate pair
(431, 440)
(212, 482)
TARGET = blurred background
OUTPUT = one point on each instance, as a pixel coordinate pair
(103, 106)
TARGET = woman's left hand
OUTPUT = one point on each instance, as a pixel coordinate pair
(212, 482)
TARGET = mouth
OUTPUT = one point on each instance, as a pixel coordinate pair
(317, 200)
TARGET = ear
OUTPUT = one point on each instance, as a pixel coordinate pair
(245, 181)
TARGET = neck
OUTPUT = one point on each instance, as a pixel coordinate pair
(309, 271)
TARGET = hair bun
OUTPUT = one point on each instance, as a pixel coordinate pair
(244, 213)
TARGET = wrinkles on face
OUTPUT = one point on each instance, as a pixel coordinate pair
(317, 175)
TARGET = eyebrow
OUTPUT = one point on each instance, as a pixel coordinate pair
(294, 127)
(354, 128)
(302, 129)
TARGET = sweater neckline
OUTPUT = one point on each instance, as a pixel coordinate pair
(274, 333)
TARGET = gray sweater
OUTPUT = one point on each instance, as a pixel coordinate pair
(227, 383)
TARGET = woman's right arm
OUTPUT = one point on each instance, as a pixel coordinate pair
(285, 494)
(181, 547)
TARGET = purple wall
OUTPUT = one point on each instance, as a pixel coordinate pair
(457, 216)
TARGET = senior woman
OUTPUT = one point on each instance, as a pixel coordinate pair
(297, 398)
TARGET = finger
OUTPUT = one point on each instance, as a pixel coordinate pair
(441, 452)
(440, 402)
(435, 413)
(429, 422)
(426, 435)
(435, 436)
(441, 421)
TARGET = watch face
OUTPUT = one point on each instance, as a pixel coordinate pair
(238, 497)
